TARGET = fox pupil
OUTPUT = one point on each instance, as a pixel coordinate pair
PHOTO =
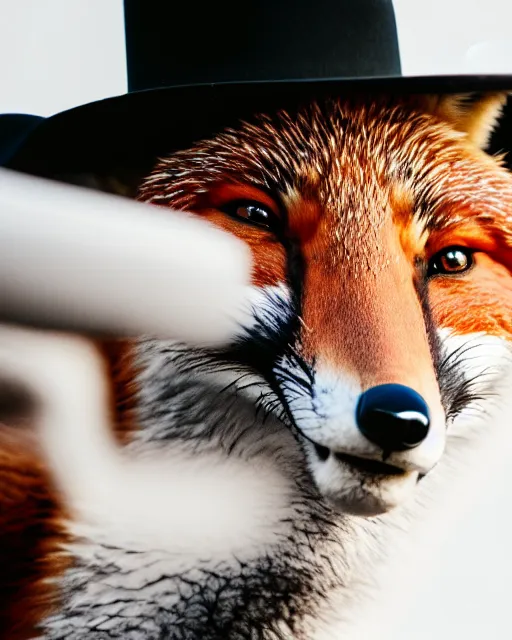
(451, 260)
(252, 213)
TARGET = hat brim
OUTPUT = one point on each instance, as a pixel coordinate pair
(129, 131)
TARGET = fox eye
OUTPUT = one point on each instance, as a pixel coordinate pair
(452, 260)
(252, 212)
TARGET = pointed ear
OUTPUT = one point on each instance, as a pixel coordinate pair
(476, 115)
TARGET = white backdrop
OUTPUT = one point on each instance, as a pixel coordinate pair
(56, 54)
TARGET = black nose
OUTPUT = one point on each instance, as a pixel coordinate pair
(393, 416)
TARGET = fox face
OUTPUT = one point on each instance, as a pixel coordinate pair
(378, 230)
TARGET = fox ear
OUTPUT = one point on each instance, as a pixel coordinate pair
(476, 115)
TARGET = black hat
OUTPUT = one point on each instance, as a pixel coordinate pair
(194, 67)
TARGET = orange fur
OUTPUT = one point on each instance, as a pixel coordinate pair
(381, 184)
(31, 534)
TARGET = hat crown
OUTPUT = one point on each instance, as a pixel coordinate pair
(189, 43)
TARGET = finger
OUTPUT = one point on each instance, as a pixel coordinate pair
(75, 259)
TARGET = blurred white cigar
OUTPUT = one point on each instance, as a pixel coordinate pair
(74, 259)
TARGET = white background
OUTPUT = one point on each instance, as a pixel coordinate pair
(56, 54)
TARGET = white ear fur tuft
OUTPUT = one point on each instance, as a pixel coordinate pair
(476, 116)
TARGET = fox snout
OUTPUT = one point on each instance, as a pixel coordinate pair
(372, 413)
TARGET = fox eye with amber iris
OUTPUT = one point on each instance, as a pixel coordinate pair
(253, 213)
(450, 261)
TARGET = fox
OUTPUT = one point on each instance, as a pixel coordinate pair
(264, 475)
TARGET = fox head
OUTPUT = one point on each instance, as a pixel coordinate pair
(381, 234)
